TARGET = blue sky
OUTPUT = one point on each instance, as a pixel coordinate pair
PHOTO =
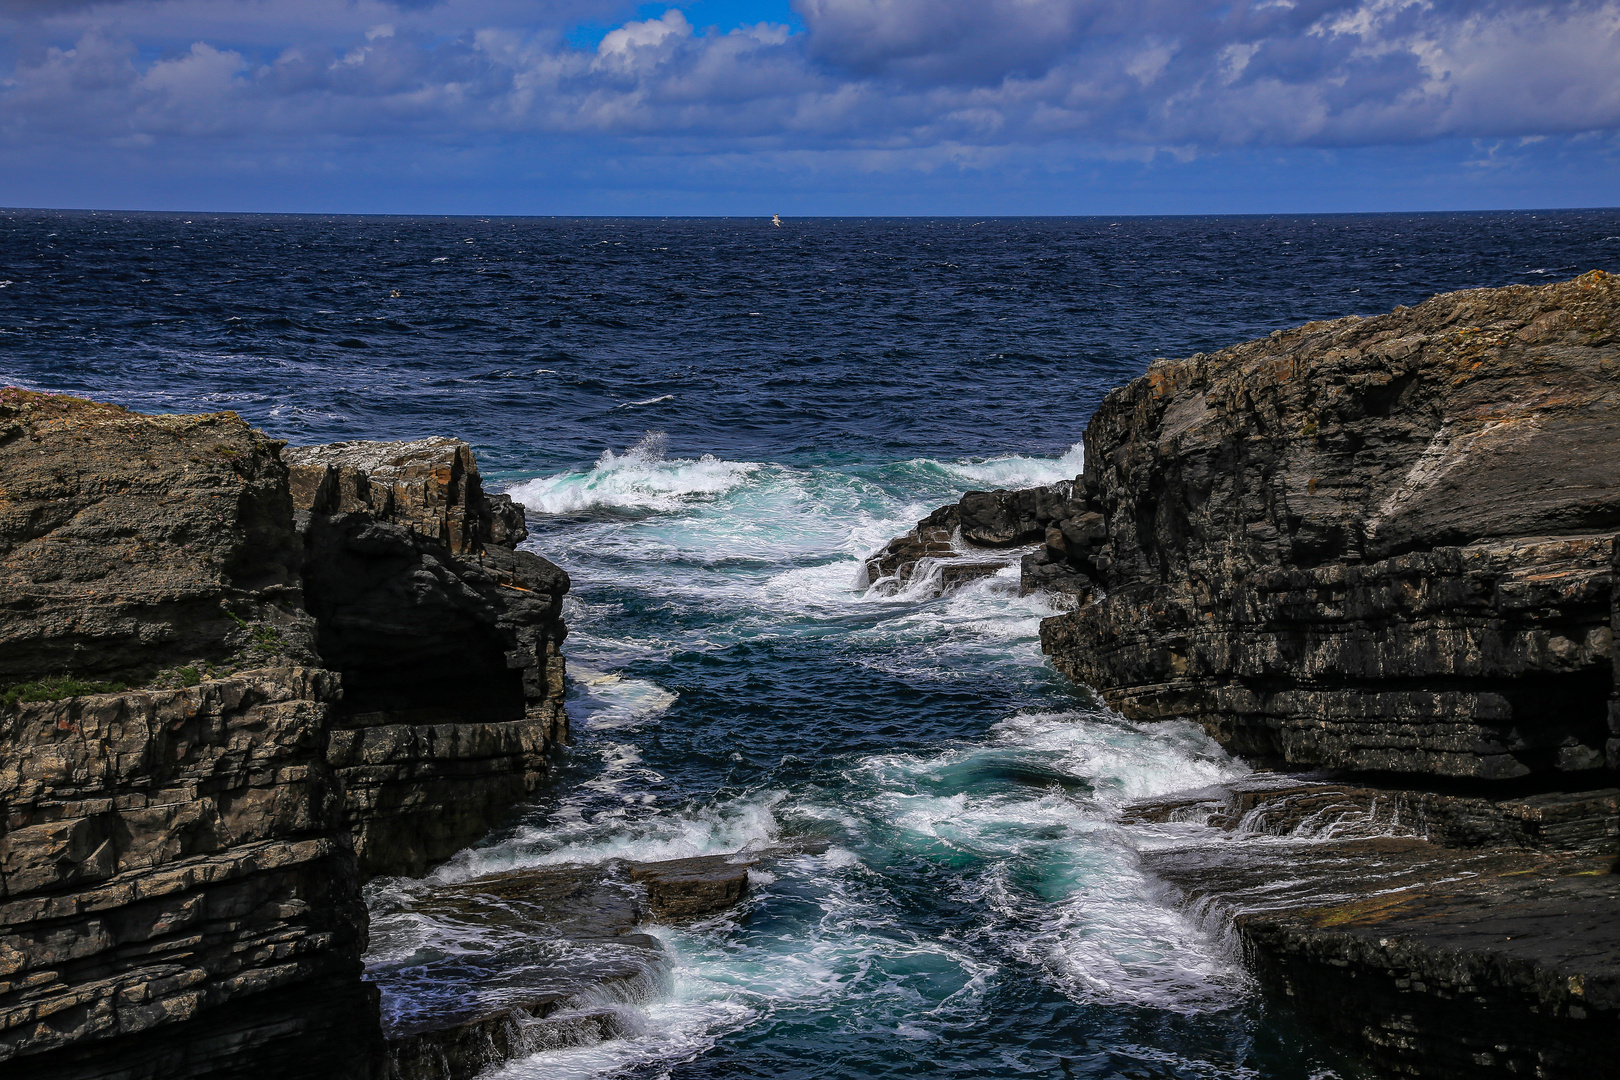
(809, 106)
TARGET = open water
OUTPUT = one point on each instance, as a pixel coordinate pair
(710, 422)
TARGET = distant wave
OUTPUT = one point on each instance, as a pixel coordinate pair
(649, 401)
(640, 478)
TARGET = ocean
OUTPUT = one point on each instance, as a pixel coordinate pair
(710, 422)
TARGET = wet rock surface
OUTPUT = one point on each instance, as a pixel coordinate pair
(214, 696)
(985, 533)
(505, 991)
(1435, 960)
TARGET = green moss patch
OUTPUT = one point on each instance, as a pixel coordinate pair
(54, 688)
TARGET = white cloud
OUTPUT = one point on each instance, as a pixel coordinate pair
(864, 75)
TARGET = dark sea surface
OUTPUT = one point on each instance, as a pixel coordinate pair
(710, 422)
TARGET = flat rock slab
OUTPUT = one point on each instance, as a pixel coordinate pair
(689, 888)
(510, 963)
(1436, 961)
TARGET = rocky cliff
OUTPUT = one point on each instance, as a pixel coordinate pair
(448, 643)
(186, 777)
(1386, 547)
(1377, 544)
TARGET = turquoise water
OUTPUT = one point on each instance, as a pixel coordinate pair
(978, 909)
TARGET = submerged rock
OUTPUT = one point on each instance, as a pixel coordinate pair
(545, 955)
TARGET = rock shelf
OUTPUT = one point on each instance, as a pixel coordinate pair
(548, 953)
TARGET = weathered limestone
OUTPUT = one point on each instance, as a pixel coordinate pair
(1388, 546)
(431, 486)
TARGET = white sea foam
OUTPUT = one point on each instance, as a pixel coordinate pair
(1016, 471)
(1040, 792)
(641, 478)
(621, 702)
(744, 825)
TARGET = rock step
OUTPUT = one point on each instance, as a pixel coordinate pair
(1581, 822)
(595, 958)
(689, 888)
(1446, 962)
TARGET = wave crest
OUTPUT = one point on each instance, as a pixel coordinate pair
(641, 478)
(1017, 471)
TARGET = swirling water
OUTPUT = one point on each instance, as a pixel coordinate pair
(710, 422)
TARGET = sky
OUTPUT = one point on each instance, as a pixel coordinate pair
(809, 107)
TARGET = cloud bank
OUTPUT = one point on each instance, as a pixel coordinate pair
(921, 77)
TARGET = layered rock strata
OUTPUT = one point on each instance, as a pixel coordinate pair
(449, 643)
(184, 775)
(1439, 960)
(1382, 544)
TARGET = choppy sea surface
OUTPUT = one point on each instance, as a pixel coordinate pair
(710, 422)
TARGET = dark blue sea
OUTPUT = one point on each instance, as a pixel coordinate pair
(710, 422)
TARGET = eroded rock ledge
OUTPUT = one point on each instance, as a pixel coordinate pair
(1385, 547)
(234, 690)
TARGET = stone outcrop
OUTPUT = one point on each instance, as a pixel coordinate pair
(449, 644)
(1387, 546)
(986, 532)
(131, 544)
(597, 956)
(1382, 544)
(185, 772)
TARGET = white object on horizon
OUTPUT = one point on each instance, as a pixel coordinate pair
(776, 219)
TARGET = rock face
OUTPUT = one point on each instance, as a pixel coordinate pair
(448, 644)
(1388, 546)
(1375, 544)
(185, 774)
(166, 853)
(129, 542)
